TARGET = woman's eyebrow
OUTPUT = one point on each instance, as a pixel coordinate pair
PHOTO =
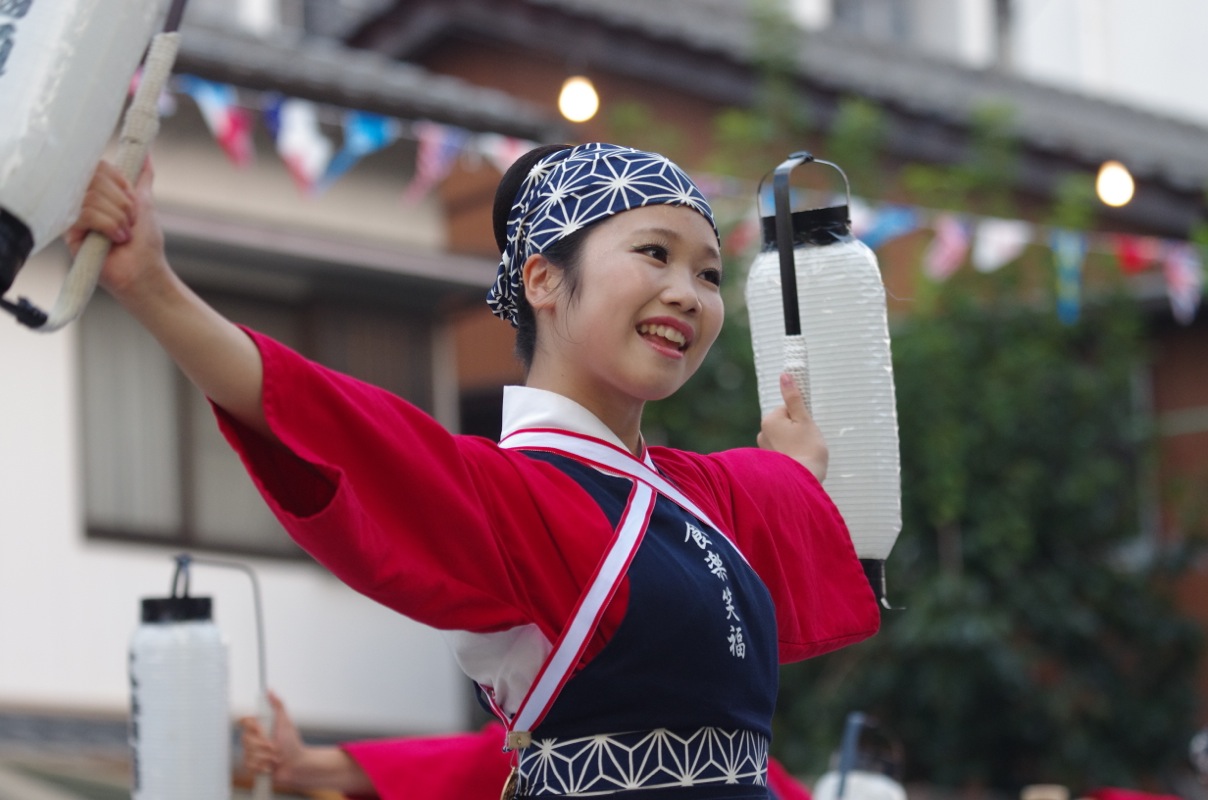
(710, 249)
(657, 230)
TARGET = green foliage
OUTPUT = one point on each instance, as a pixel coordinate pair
(637, 126)
(742, 140)
(988, 173)
(935, 186)
(855, 140)
(1199, 236)
(1030, 649)
(980, 181)
(778, 99)
(778, 119)
(1074, 202)
(1038, 640)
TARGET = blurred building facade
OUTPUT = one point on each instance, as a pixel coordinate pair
(103, 485)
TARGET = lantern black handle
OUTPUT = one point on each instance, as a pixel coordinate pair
(262, 786)
(784, 231)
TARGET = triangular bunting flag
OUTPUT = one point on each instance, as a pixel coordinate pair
(502, 151)
(294, 125)
(1069, 250)
(1135, 253)
(999, 241)
(947, 250)
(862, 217)
(1184, 273)
(889, 223)
(439, 146)
(364, 133)
(230, 124)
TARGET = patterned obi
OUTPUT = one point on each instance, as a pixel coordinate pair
(593, 766)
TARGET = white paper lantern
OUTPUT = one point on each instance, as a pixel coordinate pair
(65, 71)
(839, 353)
(180, 730)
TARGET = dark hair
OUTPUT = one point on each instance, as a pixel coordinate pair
(509, 185)
(563, 253)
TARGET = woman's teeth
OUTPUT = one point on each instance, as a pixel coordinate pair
(664, 332)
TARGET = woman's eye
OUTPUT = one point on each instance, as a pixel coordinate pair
(655, 251)
(713, 276)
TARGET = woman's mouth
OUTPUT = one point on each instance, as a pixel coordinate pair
(664, 336)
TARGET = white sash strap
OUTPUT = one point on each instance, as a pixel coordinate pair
(570, 646)
(604, 456)
(609, 573)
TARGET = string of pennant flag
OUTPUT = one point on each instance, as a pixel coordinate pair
(986, 243)
(310, 155)
(990, 243)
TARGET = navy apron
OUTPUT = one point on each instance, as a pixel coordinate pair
(678, 704)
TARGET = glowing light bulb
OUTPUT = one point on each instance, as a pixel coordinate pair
(578, 100)
(1114, 185)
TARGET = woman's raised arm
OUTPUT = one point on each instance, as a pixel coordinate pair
(214, 353)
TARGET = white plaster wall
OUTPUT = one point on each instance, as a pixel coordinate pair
(1146, 53)
(68, 605)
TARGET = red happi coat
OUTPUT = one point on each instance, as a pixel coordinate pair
(460, 534)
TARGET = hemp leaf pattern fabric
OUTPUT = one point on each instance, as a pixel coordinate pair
(571, 189)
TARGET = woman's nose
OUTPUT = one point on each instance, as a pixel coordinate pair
(681, 290)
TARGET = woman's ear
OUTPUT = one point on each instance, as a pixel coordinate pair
(541, 281)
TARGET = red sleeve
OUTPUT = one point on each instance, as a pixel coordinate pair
(425, 522)
(791, 532)
(783, 785)
(468, 766)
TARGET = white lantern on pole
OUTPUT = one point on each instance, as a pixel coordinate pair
(180, 729)
(65, 72)
(817, 310)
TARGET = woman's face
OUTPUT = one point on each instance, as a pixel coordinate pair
(646, 309)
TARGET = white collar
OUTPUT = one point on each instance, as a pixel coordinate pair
(527, 407)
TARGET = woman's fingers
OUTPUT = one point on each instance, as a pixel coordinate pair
(259, 754)
(108, 207)
(794, 400)
(790, 429)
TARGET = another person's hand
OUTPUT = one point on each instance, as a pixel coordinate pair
(790, 429)
(294, 764)
(282, 754)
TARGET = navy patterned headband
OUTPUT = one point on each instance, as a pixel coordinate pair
(569, 190)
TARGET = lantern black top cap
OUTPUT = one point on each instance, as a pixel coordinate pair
(794, 160)
(165, 610)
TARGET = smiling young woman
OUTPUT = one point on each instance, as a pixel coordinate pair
(622, 608)
(648, 310)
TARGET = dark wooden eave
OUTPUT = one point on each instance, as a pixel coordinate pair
(707, 48)
(326, 71)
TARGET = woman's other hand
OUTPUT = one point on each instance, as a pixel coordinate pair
(790, 429)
